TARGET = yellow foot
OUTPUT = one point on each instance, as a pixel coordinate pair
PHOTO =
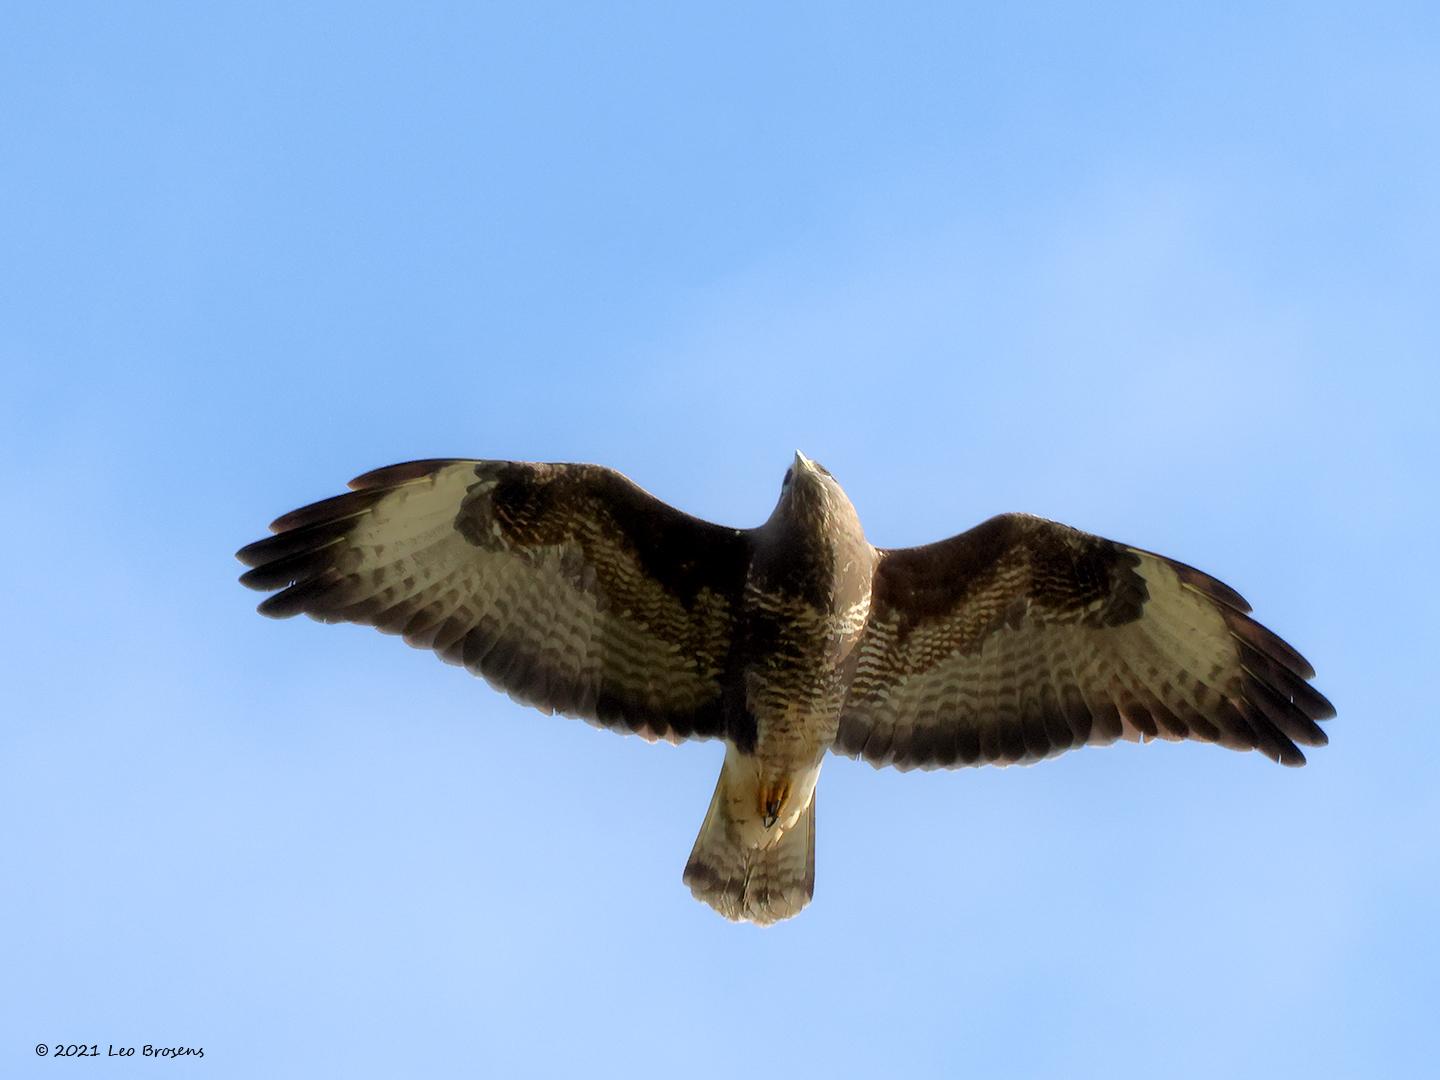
(772, 798)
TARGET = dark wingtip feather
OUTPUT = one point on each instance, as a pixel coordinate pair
(1210, 586)
(298, 541)
(288, 569)
(391, 475)
(1312, 702)
(1279, 675)
(302, 548)
(327, 510)
(252, 554)
(1323, 709)
(1267, 642)
(366, 490)
(1269, 739)
(1283, 712)
(318, 596)
(280, 606)
(1286, 683)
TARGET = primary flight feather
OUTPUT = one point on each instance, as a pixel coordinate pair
(573, 590)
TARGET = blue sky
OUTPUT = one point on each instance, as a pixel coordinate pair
(1165, 272)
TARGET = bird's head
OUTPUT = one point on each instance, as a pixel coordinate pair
(810, 493)
(813, 545)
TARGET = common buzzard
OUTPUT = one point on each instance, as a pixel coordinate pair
(573, 590)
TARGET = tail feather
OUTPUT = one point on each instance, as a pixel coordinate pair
(745, 883)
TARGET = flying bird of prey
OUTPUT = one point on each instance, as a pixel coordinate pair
(575, 591)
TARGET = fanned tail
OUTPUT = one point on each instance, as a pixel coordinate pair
(746, 883)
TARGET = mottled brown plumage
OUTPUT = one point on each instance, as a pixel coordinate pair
(576, 592)
(1024, 638)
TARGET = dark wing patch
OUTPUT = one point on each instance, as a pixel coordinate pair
(567, 586)
(1023, 638)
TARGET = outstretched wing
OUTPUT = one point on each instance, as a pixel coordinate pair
(567, 586)
(1023, 638)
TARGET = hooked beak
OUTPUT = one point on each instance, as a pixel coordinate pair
(803, 462)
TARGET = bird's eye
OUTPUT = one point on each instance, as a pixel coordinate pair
(789, 474)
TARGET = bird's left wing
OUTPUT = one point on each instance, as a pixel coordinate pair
(567, 586)
(1023, 638)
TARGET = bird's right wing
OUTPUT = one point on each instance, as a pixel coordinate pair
(1023, 638)
(566, 586)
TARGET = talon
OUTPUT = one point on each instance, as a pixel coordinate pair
(773, 797)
